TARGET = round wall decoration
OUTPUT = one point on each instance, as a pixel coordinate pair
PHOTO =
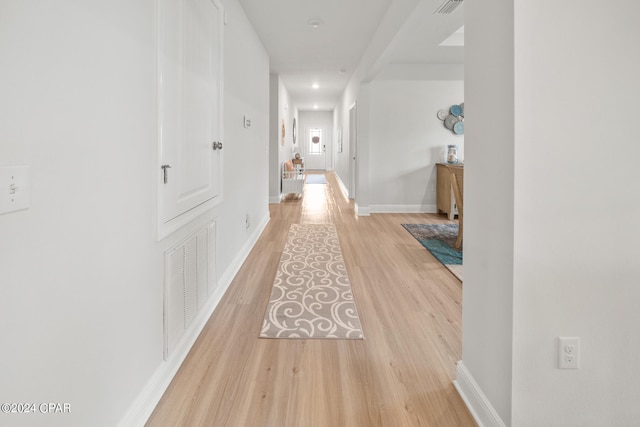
(453, 118)
(450, 121)
(458, 127)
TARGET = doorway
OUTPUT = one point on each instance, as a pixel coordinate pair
(352, 151)
(316, 140)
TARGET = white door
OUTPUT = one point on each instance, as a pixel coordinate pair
(316, 141)
(190, 107)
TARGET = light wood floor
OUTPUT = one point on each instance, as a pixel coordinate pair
(400, 375)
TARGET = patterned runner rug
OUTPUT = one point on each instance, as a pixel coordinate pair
(311, 295)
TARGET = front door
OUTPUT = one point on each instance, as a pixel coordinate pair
(316, 140)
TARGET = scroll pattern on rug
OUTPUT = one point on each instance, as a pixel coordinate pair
(311, 295)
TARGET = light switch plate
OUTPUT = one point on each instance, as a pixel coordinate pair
(15, 188)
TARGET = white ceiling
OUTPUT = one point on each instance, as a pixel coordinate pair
(405, 32)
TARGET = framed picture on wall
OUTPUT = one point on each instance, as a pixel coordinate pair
(282, 140)
(340, 139)
(294, 132)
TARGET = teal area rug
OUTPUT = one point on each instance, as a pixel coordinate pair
(439, 239)
(316, 179)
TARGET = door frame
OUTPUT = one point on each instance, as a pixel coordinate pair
(353, 148)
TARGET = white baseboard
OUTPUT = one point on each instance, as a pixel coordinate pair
(472, 395)
(362, 211)
(242, 255)
(142, 408)
(275, 200)
(403, 209)
(343, 188)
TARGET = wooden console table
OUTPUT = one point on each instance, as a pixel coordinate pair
(444, 194)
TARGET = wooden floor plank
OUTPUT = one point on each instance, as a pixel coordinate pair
(400, 375)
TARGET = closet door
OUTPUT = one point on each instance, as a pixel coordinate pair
(190, 110)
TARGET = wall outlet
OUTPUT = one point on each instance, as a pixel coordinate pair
(247, 122)
(247, 222)
(568, 352)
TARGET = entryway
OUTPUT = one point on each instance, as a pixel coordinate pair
(315, 147)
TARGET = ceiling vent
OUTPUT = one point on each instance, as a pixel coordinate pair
(447, 7)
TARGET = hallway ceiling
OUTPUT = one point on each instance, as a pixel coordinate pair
(394, 31)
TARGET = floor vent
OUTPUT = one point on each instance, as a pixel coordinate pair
(447, 7)
(190, 278)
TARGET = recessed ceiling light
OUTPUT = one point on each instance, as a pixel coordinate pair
(315, 22)
(315, 85)
(315, 107)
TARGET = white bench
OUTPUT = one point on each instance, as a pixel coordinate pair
(292, 178)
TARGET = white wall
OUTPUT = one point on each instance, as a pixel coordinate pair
(577, 205)
(81, 274)
(288, 111)
(362, 200)
(406, 140)
(487, 313)
(370, 64)
(80, 270)
(341, 160)
(274, 139)
(398, 147)
(246, 169)
(285, 111)
(550, 213)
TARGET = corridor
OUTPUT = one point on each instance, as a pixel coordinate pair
(400, 375)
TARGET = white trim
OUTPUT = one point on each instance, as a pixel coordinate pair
(472, 395)
(343, 188)
(146, 401)
(361, 210)
(171, 226)
(403, 208)
(275, 200)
